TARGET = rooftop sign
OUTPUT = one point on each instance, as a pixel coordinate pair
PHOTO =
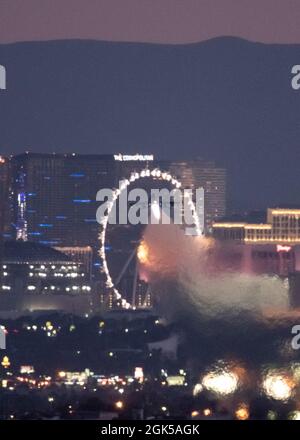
(136, 157)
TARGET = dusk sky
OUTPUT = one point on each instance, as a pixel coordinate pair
(167, 21)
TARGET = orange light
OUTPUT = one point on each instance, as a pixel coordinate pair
(119, 404)
(143, 252)
(5, 362)
(283, 211)
(242, 413)
(195, 413)
(229, 225)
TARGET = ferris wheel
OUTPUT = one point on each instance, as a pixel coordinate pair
(114, 285)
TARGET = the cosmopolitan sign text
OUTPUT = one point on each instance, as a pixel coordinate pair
(133, 157)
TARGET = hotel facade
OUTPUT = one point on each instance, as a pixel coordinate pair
(282, 227)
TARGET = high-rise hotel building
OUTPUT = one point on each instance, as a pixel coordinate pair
(54, 196)
(204, 174)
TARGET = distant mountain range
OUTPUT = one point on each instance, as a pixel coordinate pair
(225, 99)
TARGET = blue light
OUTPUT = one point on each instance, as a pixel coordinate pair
(77, 175)
(81, 201)
(22, 197)
(46, 225)
(60, 217)
(90, 220)
(34, 233)
(48, 242)
(31, 194)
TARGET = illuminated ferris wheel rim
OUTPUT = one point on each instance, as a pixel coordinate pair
(156, 174)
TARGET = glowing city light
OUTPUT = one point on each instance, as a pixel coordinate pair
(5, 362)
(139, 374)
(143, 252)
(119, 404)
(221, 382)
(281, 248)
(294, 415)
(278, 386)
(242, 412)
(198, 388)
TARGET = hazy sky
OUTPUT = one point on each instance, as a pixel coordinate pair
(169, 21)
